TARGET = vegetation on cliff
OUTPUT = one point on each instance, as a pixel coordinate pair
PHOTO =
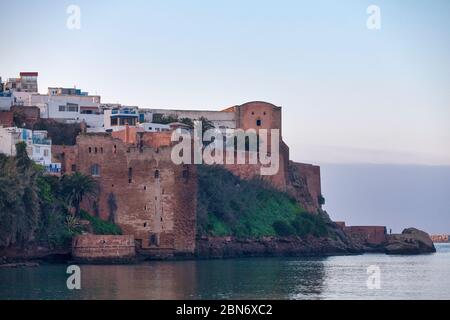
(100, 226)
(60, 133)
(229, 206)
(36, 208)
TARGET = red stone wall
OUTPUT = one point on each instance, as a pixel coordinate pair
(249, 171)
(128, 135)
(142, 191)
(6, 118)
(103, 248)
(367, 234)
(30, 114)
(248, 113)
(312, 176)
(157, 139)
(67, 156)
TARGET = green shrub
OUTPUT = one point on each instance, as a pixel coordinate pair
(100, 226)
(283, 228)
(321, 200)
(229, 206)
(309, 224)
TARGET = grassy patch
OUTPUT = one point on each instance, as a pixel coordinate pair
(100, 226)
(229, 206)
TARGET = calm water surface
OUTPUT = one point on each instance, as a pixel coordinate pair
(402, 277)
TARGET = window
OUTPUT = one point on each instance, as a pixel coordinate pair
(101, 150)
(72, 107)
(258, 123)
(90, 149)
(74, 168)
(46, 153)
(153, 241)
(95, 170)
(186, 175)
(115, 149)
(95, 150)
(62, 108)
(156, 174)
(130, 175)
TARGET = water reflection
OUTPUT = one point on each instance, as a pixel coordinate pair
(402, 277)
(259, 278)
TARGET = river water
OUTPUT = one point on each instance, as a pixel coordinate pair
(342, 277)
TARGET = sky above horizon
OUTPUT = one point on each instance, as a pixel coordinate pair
(349, 94)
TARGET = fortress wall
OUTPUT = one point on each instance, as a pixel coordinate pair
(107, 248)
(6, 118)
(367, 234)
(67, 156)
(249, 171)
(142, 191)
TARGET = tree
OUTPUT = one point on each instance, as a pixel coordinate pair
(75, 187)
(188, 122)
(23, 161)
(163, 119)
(206, 124)
(19, 201)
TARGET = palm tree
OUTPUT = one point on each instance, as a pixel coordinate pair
(75, 187)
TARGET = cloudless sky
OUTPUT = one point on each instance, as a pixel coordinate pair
(349, 94)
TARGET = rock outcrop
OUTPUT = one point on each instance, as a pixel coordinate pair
(230, 247)
(410, 241)
(336, 243)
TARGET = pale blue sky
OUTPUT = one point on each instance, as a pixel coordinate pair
(350, 94)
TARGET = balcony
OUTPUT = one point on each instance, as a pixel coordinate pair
(38, 140)
(124, 111)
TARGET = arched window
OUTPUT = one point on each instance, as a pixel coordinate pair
(95, 170)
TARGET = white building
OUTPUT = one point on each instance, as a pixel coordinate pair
(39, 146)
(117, 118)
(9, 137)
(6, 102)
(26, 83)
(69, 108)
(154, 127)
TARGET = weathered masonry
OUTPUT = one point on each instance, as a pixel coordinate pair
(141, 190)
(153, 199)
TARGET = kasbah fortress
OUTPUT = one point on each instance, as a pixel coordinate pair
(153, 200)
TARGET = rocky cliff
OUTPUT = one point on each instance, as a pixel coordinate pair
(410, 241)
